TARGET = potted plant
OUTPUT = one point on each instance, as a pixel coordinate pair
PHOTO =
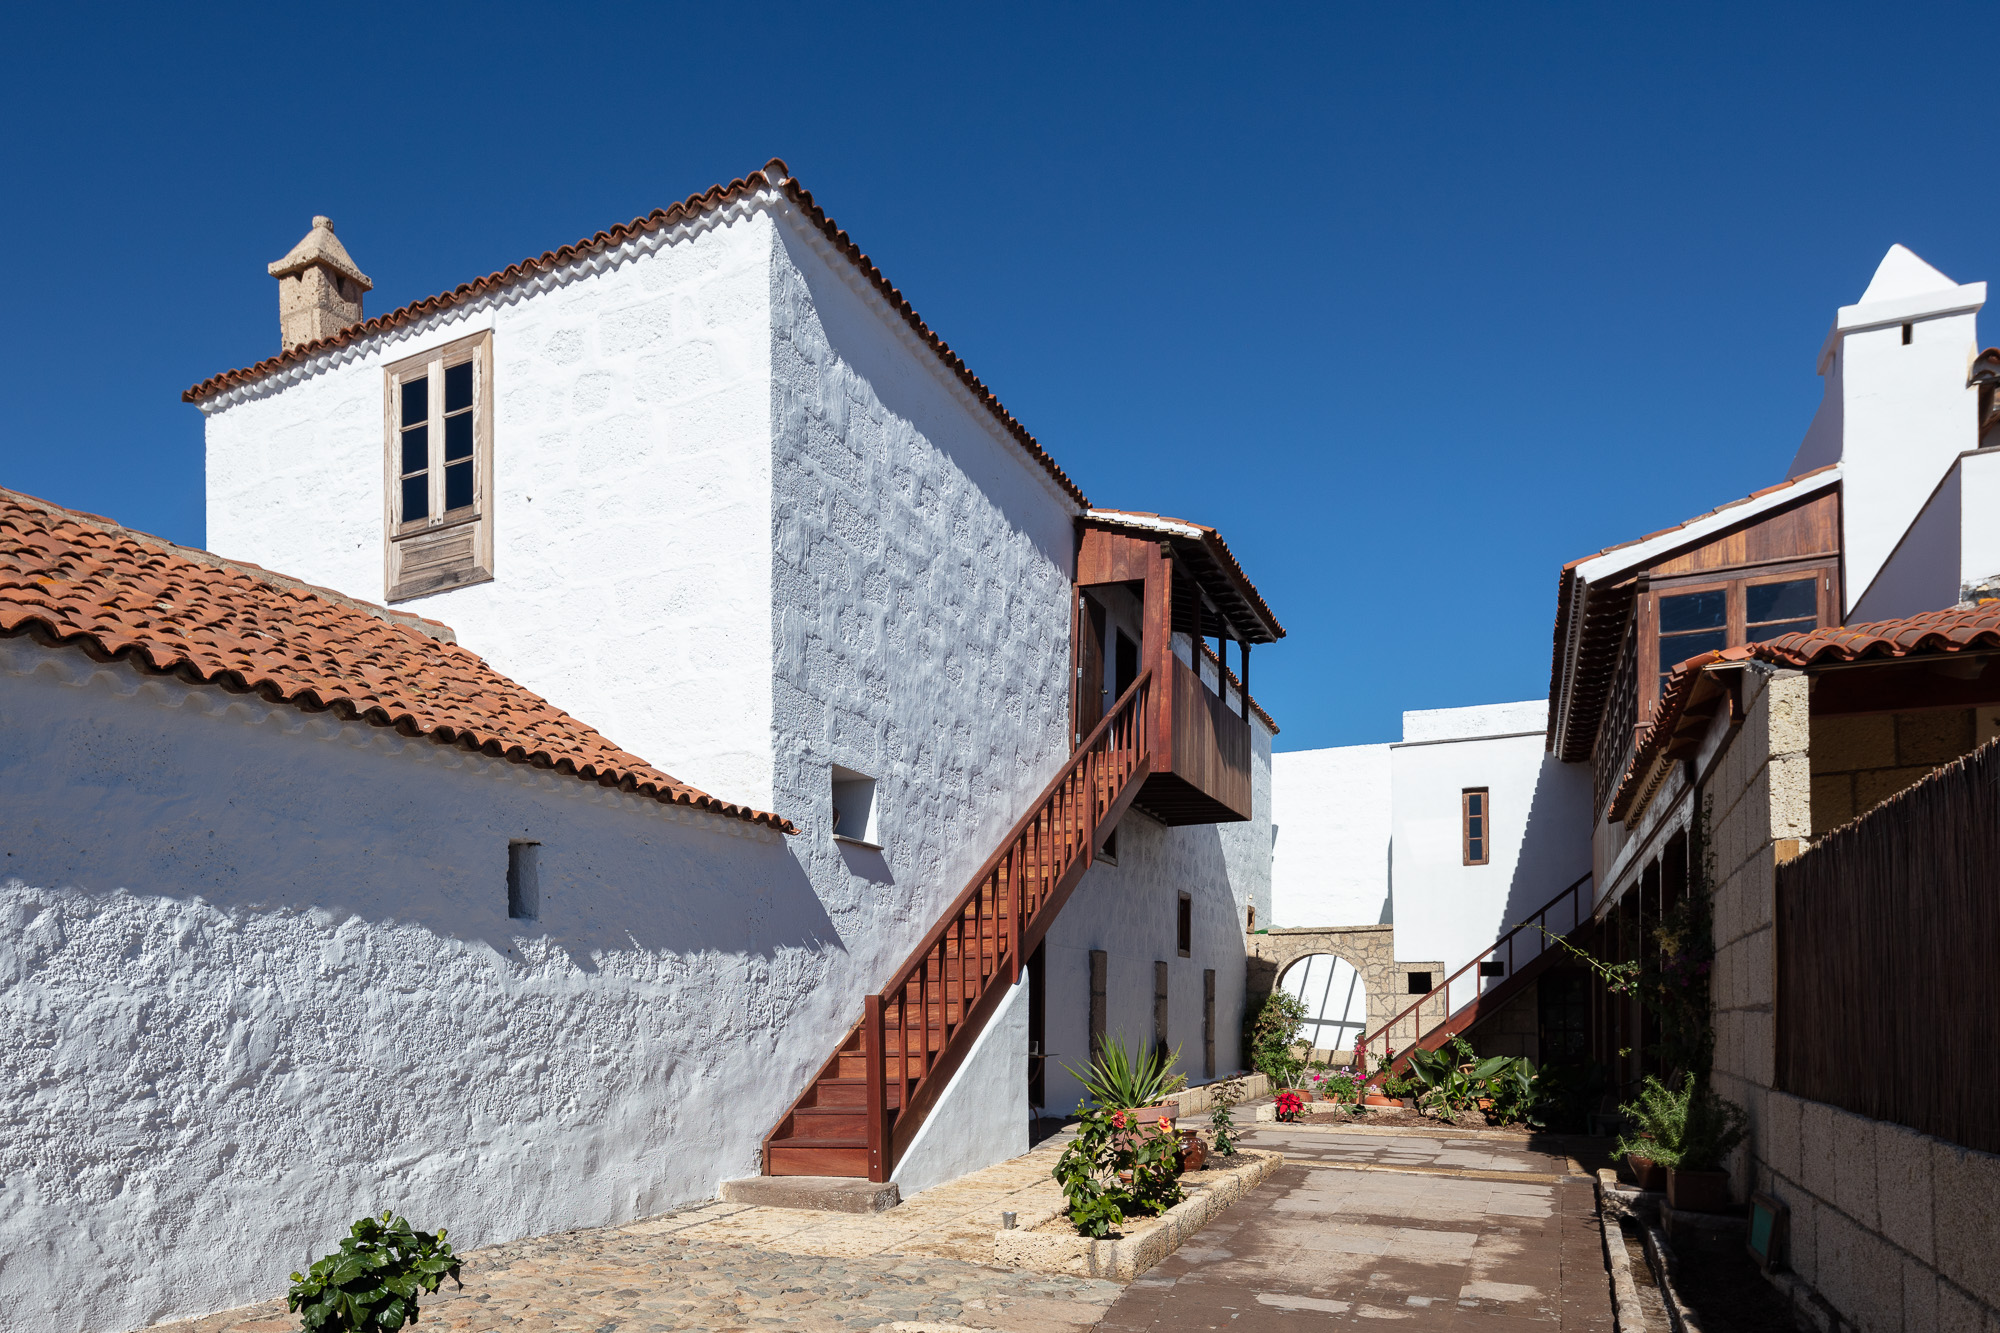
(1132, 1081)
(1684, 1132)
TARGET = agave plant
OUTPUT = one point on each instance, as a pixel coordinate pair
(1122, 1079)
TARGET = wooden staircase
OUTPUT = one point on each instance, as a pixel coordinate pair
(864, 1108)
(1519, 964)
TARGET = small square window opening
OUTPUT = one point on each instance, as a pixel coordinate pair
(1420, 983)
(1478, 821)
(854, 815)
(1493, 967)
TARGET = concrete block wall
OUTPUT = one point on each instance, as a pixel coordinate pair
(1892, 1231)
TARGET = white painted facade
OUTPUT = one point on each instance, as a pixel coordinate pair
(1396, 851)
(257, 978)
(1896, 415)
(750, 528)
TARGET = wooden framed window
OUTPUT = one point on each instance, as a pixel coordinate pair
(1688, 616)
(1477, 820)
(438, 464)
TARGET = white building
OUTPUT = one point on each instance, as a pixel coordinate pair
(706, 481)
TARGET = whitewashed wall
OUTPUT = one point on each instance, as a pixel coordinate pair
(631, 461)
(1952, 547)
(1330, 854)
(257, 978)
(1540, 827)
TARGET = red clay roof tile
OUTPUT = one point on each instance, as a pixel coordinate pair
(74, 579)
(775, 175)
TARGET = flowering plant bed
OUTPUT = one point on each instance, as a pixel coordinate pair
(1288, 1105)
(1118, 1166)
(1050, 1244)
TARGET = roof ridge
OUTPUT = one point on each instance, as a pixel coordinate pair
(774, 175)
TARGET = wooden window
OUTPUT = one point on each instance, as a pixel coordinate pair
(1184, 927)
(438, 502)
(1688, 617)
(1477, 820)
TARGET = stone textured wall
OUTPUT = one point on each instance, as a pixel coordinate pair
(1891, 1229)
(257, 978)
(1860, 761)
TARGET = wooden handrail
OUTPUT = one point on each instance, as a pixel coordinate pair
(999, 908)
(1538, 921)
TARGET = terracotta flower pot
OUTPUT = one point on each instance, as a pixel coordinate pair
(1649, 1173)
(1377, 1099)
(1193, 1151)
(1698, 1191)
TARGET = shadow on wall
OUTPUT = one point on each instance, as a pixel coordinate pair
(1555, 845)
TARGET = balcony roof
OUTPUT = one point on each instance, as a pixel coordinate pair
(1206, 556)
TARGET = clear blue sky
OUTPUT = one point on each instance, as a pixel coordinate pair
(1413, 302)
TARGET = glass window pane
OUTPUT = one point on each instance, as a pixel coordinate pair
(1476, 850)
(1475, 827)
(1678, 648)
(458, 436)
(1781, 601)
(1693, 610)
(416, 449)
(1474, 801)
(1765, 633)
(416, 497)
(458, 386)
(458, 485)
(416, 401)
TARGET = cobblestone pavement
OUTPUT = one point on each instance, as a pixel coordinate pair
(721, 1266)
(1425, 1229)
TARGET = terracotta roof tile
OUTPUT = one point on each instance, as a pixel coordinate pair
(1210, 539)
(74, 579)
(775, 175)
(1961, 629)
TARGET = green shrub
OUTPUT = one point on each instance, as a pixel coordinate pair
(1686, 1127)
(370, 1284)
(1220, 1121)
(1117, 1168)
(1273, 1034)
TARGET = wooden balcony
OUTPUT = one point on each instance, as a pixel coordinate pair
(1208, 779)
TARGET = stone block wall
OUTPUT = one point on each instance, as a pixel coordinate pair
(1892, 1231)
(1858, 762)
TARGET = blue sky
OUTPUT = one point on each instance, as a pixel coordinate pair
(1413, 303)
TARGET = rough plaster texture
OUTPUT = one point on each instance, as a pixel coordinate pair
(257, 978)
(631, 489)
(983, 1115)
(1894, 1229)
(1330, 852)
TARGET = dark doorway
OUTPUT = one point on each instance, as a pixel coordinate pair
(1089, 667)
(1038, 1022)
(1125, 664)
(1563, 996)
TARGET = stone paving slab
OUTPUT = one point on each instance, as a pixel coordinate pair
(1347, 1238)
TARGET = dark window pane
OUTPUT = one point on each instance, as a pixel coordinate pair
(1477, 850)
(1692, 610)
(458, 485)
(1678, 648)
(458, 386)
(458, 436)
(1781, 601)
(1765, 633)
(416, 401)
(416, 497)
(1475, 827)
(416, 448)
(1474, 802)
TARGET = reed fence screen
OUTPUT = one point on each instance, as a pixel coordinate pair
(1888, 935)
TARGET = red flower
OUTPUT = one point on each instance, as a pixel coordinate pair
(1118, 1120)
(1166, 1125)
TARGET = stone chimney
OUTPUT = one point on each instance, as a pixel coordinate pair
(319, 289)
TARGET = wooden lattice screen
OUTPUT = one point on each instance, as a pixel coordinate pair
(1888, 934)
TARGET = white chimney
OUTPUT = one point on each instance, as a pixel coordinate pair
(319, 289)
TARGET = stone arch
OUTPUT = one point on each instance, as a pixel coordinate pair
(1371, 950)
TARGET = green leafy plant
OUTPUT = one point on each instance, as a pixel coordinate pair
(370, 1284)
(1273, 1034)
(1116, 1168)
(1686, 1127)
(1220, 1120)
(1119, 1079)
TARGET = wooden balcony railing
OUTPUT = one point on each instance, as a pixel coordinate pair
(914, 1031)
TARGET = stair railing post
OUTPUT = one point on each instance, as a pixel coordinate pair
(877, 1053)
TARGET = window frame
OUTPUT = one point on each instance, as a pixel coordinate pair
(1465, 818)
(1733, 583)
(405, 572)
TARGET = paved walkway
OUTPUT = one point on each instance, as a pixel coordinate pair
(1474, 1232)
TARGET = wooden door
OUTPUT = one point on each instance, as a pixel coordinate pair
(1090, 698)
